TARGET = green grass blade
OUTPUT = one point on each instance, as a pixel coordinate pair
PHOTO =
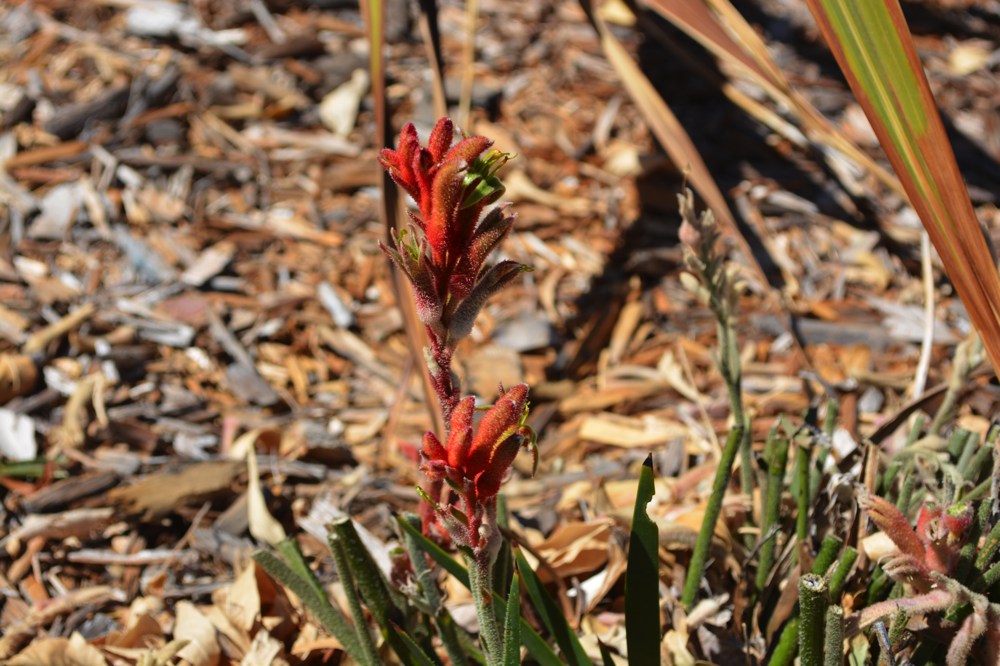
(551, 615)
(512, 625)
(642, 579)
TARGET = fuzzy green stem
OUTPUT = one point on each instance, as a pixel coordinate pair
(989, 548)
(813, 602)
(788, 645)
(956, 443)
(906, 491)
(969, 447)
(989, 578)
(833, 650)
(898, 626)
(777, 459)
(974, 469)
(480, 577)
(699, 558)
(877, 588)
(915, 430)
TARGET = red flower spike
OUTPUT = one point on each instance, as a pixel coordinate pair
(399, 163)
(498, 424)
(422, 164)
(488, 235)
(425, 295)
(452, 185)
(927, 523)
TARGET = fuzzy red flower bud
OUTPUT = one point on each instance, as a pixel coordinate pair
(498, 424)
(891, 521)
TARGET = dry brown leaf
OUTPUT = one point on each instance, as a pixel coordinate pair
(72, 651)
(630, 432)
(264, 649)
(242, 604)
(18, 376)
(141, 633)
(575, 549)
(263, 526)
(192, 625)
(159, 494)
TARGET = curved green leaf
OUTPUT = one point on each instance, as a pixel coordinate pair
(551, 615)
(512, 625)
(642, 578)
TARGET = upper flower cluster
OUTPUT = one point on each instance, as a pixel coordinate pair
(452, 185)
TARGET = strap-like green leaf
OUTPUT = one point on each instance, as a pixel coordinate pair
(331, 619)
(416, 653)
(551, 615)
(378, 597)
(512, 625)
(642, 579)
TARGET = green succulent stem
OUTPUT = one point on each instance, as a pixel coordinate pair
(827, 554)
(833, 648)
(842, 570)
(776, 453)
(802, 455)
(729, 367)
(699, 557)
(813, 602)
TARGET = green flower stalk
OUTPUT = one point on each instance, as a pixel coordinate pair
(444, 256)
(715, 283)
